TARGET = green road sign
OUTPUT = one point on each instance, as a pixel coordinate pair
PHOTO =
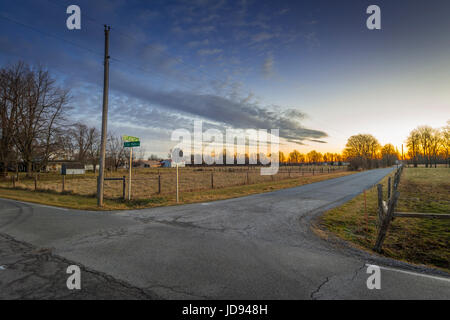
(130, 139)
(132, 144)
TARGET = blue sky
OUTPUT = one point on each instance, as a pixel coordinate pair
(310, 68)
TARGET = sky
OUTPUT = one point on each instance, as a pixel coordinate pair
(309, 68)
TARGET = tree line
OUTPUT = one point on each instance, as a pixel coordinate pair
(35, 128)
(427, 145)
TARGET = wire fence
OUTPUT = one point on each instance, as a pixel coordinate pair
(149, 182)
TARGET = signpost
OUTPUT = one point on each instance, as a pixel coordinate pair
(177, 155)
(130, 142)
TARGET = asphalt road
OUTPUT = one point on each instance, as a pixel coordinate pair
(255, 247)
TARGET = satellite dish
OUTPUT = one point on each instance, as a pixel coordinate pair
(177, 155)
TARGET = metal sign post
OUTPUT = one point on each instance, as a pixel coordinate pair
(177, 156)
(129, 179)
(178, 198)
(130, 142)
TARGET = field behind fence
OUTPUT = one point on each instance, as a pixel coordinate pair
(148, 182)
(409, 236)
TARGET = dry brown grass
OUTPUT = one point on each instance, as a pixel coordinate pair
(188, 195)
(423, 241)
(145, 181)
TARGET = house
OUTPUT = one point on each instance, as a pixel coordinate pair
(90, 167)
(72, 168)
(169, 164)
(56, 165)
(146, 164)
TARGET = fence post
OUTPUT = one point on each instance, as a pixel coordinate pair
(386, 222)
(159, 183)
(380, 204)
(63, 182)
(124, 183)
(365, 213)
(212, 180)
(35, 181)
(248, 180)
(389, 188)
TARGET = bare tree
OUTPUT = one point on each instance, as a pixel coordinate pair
(446, 142)
(93, 153)
(413, 144)
(361, 150)
(40, 113)
(11, 93)
(388, 155)
(115, 151)
(83, 139)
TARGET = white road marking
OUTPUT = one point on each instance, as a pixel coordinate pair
(412, 273)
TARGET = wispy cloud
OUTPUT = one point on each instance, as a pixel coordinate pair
(209, 52)
(267, 67)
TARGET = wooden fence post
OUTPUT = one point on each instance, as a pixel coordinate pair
(380, 204)
(124, 187)
(35, 181)
(386, 222)
(389, 188)
(159, 183)
(63, 182)
(212, 180)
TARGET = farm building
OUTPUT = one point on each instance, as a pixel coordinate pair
(146, 164)
(72, 168)
(169, 164)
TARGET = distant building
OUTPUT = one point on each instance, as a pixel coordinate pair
(146, 164)
(72, 168)
(90, 167)
(170, 164)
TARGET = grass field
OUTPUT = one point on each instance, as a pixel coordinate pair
(146, 181)
(420, 241)
(195, 186)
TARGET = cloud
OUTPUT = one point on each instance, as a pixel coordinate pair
(193, 44)
(260, 37)
(268, 66)
(209, 52)
(239, 114)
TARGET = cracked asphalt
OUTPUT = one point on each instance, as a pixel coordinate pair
(254, 247)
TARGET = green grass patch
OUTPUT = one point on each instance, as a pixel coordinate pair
(420, 241)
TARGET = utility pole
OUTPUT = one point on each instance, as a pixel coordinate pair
(402, 153)
(100, 182)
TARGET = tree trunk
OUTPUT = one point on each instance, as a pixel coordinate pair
(29, 168)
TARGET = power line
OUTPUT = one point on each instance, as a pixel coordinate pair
(167, 54)
(49, 34)
(160, 76)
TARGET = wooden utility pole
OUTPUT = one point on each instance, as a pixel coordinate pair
(100, 182)
(402, 153)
